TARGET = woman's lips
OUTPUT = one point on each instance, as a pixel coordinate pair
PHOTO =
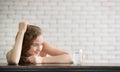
(37, 52)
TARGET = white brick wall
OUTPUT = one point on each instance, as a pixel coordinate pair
(90, 25)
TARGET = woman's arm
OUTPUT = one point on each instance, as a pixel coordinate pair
(57, 55)
(65, 58)
(13, 55)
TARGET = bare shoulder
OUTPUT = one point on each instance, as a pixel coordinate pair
(52, 50)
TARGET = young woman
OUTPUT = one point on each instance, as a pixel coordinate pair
(30, 47)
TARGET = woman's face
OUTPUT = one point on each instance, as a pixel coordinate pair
(36, 46)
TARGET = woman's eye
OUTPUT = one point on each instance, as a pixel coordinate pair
(34, 45)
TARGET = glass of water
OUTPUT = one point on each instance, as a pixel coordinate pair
(78, 56)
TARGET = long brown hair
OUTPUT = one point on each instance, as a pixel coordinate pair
(30, 35)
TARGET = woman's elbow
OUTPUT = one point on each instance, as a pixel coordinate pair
(12, 61)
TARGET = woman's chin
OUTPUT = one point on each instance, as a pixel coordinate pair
(37, 53)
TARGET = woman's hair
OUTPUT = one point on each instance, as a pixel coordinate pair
(30, 35)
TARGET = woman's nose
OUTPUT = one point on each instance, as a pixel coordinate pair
(39, 48)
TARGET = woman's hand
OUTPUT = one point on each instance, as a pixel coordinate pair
(35, 59)
(23, 26)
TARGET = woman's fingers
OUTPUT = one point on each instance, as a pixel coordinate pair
(35, 59)
(23, 25)
(32, 59)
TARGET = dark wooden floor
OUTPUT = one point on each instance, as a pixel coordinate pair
(58, 68)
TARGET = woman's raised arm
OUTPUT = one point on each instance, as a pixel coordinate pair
(13, 55)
